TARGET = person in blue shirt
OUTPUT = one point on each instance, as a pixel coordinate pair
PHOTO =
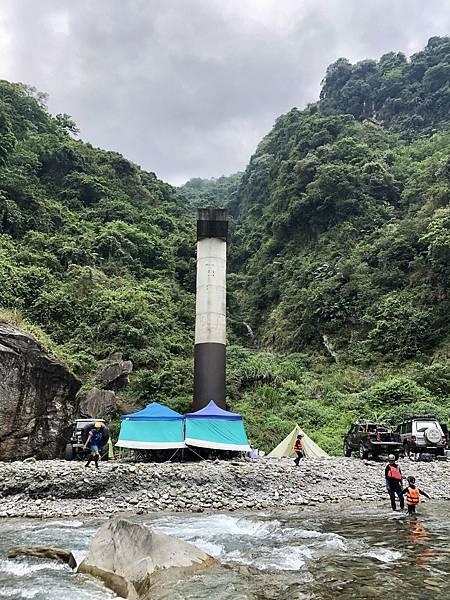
(94, 442)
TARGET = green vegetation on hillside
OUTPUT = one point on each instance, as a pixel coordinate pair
(339, 253)
(342, 252)
(94, 250)
(218, 192)
(346, 250)
(273, 392)
(410, 97)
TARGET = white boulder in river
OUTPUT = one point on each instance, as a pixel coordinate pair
(130, 558)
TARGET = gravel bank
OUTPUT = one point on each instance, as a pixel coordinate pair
(54, 488)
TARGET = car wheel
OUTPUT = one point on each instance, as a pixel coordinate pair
(69, 452)
(347, 450)
(363, 453)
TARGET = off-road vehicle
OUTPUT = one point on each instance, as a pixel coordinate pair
(369, 437)
(80, 431)
(422, 434)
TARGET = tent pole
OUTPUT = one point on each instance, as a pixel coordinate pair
(201, 457)
(173, 455)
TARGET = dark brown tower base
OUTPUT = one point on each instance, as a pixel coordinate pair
(209, 375)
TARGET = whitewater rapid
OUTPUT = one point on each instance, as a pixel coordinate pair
(356, 551)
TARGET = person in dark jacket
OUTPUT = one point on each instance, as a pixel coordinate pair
(413, 494)
(394, 479)
(298, 448)
(94, 442)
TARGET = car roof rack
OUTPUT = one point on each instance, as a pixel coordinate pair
(424, 417)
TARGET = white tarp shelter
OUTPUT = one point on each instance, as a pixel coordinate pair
(285, 449)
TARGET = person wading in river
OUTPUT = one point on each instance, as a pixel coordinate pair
(298, 448)
(93, 441)
(394, 478)
(413, 495)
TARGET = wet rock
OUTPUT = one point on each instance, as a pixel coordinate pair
(129, 558)
(48, 552)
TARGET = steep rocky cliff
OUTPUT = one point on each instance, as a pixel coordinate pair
(37, 398)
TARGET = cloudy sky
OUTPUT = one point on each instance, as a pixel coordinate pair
(187, 88)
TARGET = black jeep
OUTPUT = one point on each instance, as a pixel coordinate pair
(370, 437)
(80, 431)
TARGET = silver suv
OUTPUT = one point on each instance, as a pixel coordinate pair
(422, 434)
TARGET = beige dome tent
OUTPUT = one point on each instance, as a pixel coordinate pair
(285, 449)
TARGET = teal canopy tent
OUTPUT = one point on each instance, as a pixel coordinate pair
(155, 427)
(213, 427)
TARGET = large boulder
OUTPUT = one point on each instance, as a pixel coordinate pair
(37, 397)
(131, 558)
(99, 403)
(115, 372)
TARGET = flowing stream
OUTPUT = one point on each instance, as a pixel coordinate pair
(356, 552)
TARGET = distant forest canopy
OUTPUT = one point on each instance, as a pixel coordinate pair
(217, 192)
(339, 254)
(410, 97)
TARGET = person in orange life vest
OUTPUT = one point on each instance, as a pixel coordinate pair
(298, 448)
(413, 495)
(394, 479)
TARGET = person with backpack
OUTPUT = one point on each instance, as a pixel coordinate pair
(94, 442)
(413, 494)
(298, 448)
(394, 479)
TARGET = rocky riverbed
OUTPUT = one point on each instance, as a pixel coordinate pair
(44, 489)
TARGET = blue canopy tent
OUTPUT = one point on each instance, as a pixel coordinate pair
(155, 427)
(213, 427)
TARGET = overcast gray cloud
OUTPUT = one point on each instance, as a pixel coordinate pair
(187, 88)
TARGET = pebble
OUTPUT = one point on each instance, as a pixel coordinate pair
(40, 489)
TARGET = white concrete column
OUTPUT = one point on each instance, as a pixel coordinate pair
(210, 309)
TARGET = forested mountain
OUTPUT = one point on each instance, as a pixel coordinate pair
(342, 243)
(345, 239)
(218, 192)
(410, 97)
(94, 250)
(339, 253)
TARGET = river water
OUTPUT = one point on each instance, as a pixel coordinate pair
(357, 552)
